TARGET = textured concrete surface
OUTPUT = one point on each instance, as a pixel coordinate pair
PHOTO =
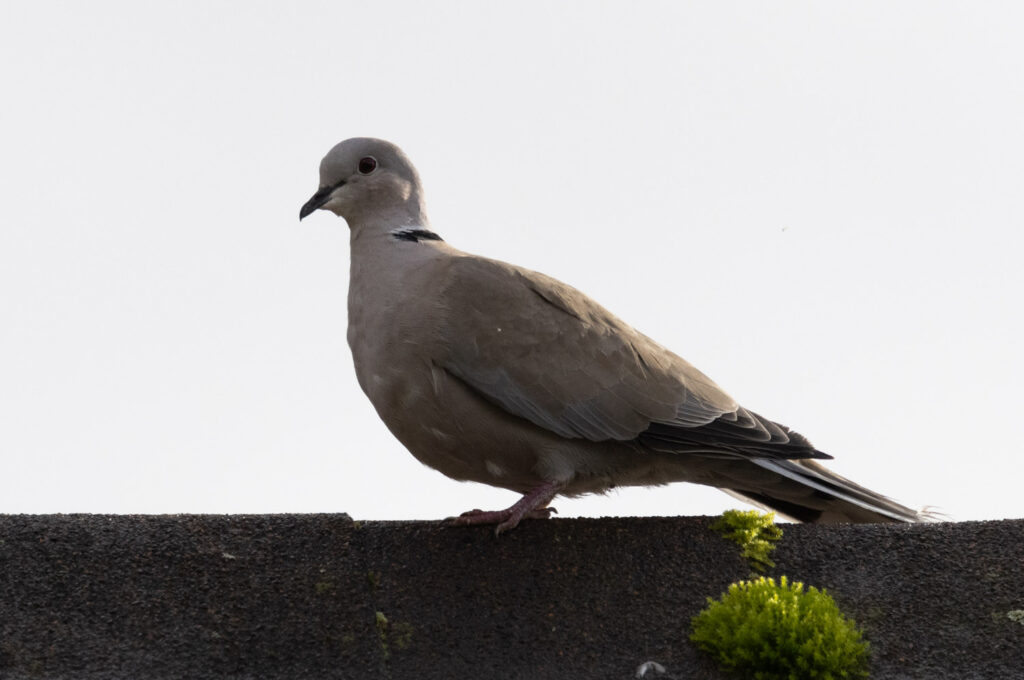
(321, 596)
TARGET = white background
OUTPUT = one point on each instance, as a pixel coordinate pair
(818, 204)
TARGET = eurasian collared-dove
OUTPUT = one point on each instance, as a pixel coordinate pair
(496, 374)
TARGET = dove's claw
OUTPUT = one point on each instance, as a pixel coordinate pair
(531, 506)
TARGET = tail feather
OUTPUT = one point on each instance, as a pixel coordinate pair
(809, 492)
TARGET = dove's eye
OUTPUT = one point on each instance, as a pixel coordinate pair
(367, 165)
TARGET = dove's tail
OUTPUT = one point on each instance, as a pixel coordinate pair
(809, 492)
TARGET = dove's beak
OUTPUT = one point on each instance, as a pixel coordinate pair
(322, 195)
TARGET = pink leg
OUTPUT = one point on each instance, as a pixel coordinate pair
(531, 506)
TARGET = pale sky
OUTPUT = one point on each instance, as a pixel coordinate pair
(821, 205)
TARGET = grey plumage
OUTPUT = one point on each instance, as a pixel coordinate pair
(493, 373)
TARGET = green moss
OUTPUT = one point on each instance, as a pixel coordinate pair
(381, 622)
(754, 532)
(397, 632)
(401, 634)
(1017, 616)
(373, 580)
(768, 631)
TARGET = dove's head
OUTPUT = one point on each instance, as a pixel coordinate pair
(370, 183)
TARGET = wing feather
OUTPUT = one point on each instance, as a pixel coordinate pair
(544, 351)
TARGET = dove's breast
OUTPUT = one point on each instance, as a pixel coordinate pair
(396, 347)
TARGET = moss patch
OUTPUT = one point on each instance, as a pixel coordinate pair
(770, 631)
(381, 622)
(373, 580)
(754, 532)
(397, 633)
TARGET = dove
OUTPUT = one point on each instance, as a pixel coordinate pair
(493, 373)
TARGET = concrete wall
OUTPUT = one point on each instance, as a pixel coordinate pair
(321, 596)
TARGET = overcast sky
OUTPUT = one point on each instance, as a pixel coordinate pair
(818, 204)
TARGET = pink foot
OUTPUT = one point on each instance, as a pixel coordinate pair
(505, 519)
(531, 506)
